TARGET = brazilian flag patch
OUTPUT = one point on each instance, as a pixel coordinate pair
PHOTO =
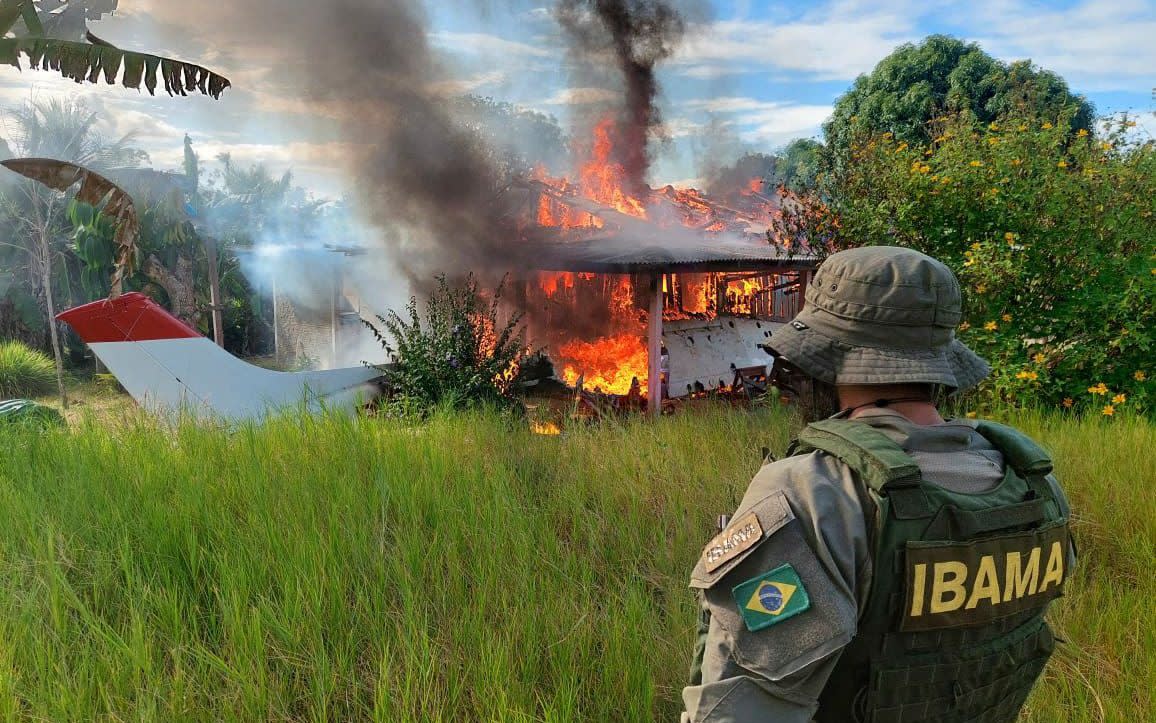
(771, 598)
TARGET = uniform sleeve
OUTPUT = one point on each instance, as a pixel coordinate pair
(763, 655)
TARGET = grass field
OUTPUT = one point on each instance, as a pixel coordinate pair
(335, 569)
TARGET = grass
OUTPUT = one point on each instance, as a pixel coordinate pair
(24, 372)
(337, 569)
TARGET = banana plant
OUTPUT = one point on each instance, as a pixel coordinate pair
(114, 203)
(37, 28)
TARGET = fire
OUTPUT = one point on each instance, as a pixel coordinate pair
(545, 428)
(603, 179)
(611, 364)
(580, 302)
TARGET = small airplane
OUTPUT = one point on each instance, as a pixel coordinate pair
(171, 369)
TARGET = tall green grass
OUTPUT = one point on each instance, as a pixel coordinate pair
(24, 372)
(337, 569)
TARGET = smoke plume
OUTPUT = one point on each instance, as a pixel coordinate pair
(638, 34)
(368, 75)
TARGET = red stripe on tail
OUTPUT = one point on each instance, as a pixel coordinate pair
(128, 317)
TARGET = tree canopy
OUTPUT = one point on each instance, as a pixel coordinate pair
(942, 75)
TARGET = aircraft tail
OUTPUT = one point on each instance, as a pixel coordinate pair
(168, 367)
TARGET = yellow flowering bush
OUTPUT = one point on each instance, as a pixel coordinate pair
(1052, 231)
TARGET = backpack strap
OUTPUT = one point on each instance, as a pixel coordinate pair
(880, 463)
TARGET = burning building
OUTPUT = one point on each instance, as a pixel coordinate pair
(665, 293)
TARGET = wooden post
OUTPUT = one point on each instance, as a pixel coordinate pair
(215, 291)
(654, 348)
(276, 321)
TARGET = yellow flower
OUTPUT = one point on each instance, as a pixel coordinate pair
(981, 288)
(976, 246)
(1062, 164)
(1009, 237)
(1068, 402)
(1082, 133)
(1109, 410)
(1139, 376)
(1105, 146)
(1100, 388)
(924, 168)
(990, 326)
(901, 147)
(1016, 162)
(970, 415)
(1030, 376)
(1119, 399)
(994, 126)
(1047, 126)
(992, 140)
(1023, 127)
(967, 325)
(1039, 358)
(1006, 317)
(976, 164)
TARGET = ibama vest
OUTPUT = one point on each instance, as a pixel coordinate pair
(953, 630)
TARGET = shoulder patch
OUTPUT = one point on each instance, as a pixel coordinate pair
(771, 598)
(735, 539)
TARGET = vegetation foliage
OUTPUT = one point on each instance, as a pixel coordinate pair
(343, 569)
(24, 372)
(460, 355)
(942, 75)
(1052, 235)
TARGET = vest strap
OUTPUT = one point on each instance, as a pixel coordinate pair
(880, 462)
(1023, 454)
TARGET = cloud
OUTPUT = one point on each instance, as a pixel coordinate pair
(469, 85)
(582, 96)
(838, 43)
(761, 121)
(1093, 45)
(486, 44)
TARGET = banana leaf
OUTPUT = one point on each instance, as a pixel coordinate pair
(88, 62)
(111, 200)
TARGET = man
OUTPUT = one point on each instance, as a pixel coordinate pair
(896, 568)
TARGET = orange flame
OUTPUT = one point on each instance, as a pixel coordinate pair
(610, 364)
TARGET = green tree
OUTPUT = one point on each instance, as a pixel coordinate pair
(939, 76)
(799, 164)
(1052, 233)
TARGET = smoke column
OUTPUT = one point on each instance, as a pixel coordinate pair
(367, 69)
(639, 34)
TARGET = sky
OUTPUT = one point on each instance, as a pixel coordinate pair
(749, 75)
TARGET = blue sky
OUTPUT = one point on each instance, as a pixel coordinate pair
(749, 76)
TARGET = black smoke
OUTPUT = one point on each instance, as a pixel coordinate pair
(638, 35)
(365, 71)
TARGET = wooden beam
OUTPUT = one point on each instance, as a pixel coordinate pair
(654, 348)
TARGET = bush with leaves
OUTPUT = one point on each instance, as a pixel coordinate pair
(461, 355)
(25, 372)
(1052, 234)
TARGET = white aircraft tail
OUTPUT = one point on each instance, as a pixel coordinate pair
(170, 368)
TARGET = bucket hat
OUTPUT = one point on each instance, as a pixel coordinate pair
(881, 315)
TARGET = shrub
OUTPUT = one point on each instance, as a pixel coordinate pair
(24, 372)
(1052, 234)
(461, 356)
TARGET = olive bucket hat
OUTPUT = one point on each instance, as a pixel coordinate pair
(881, 315)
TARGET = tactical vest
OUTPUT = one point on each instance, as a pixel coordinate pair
(953, 630)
